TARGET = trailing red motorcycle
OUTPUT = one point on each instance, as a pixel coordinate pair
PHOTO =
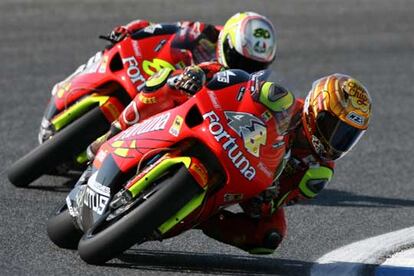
(174, 170)
(83, 105)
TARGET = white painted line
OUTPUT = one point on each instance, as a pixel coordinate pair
(401, 259)
(350, 259)
(401, 263)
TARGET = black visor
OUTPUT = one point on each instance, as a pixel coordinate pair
(237, 61)
(339, 136)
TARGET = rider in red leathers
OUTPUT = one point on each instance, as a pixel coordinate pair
(325, 127)
(247, 41)
(322, 129)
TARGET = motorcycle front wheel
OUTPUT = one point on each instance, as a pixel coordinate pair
(107, 240)
(62, 231)
(68, 142)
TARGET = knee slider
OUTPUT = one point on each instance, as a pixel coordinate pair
(270, 242)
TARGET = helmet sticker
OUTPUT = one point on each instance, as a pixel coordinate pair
(359, 120)
(257, 40)
(357, 95)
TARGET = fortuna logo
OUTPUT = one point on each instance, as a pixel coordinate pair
(228, 143)
(250, 128)
(152, 124)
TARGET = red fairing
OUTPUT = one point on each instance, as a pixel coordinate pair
(127, 65)
(239, 132)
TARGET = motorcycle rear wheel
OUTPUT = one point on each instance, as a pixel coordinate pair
(104, 242)
(62, 147)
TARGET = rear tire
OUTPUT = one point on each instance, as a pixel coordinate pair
(102, 243)
(62, 147)
(62, 230)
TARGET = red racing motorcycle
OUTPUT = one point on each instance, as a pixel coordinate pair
(84, 104)
(174, 170)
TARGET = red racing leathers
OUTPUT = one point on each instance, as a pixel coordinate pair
(261, 226)
(199, 39)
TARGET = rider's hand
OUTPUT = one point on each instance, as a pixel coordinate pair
(191, 80)
(118, 33)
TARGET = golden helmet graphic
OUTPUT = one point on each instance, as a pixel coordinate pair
(336, 114)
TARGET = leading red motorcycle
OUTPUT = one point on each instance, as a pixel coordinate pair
(174, 170)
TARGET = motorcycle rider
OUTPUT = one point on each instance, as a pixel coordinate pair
(324, 127)
(247, 41)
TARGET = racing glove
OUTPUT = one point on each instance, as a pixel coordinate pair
(191, 80)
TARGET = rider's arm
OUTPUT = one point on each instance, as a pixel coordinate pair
(119, 32)
(304, 184)
(156, 96)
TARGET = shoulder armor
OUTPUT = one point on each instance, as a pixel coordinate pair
(276, 97)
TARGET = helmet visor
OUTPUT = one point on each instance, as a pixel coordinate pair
(235, 60)
(336, 134)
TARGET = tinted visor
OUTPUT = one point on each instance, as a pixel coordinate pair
(338, 135)
(237, 61)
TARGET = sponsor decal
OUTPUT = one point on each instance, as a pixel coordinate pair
(241, 93)
(260, 47)
(357, 119)
(152, 28)
(152, 124)
(101, 156)
(96, 195)
(63, 88)
(71, 210)
(214, 99)
(250, 128)
(180, 65)
(266, 116)
(229, 145)
(151, 67)
(358, 96)
(147, 100)
(130, 115)
(104, 63)
(133, 70)
(233, 197)
(160, 45)
(225, 76)
(265, 170)
(176, 126)
(278, 144)
(201, 172)
(137, 49)
(256, 83)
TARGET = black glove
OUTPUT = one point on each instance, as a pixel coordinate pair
(191, 80)
(116, 35)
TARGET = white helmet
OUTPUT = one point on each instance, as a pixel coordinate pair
(247, 41)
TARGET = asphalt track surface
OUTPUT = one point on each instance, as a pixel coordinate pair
(41, 42)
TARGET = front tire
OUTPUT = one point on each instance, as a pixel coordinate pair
(102, 243)
(62, 147)
(62, 231)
